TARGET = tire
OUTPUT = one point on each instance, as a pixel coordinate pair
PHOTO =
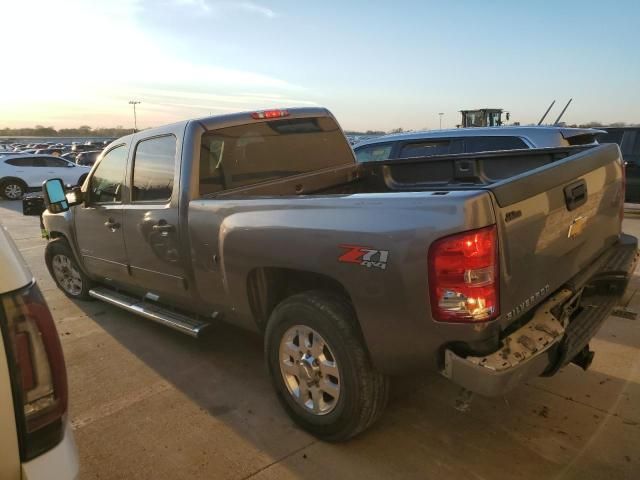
(340, 360)
(13, 189)
(64, 270)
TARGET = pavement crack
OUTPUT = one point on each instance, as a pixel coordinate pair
(284, 457)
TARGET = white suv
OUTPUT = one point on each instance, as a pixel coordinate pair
(20, 173)
(36, 441)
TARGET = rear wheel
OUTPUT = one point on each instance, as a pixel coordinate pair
(320, 368)
(65, 271)
(13, 189)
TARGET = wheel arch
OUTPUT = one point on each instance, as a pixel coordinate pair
(268, 286)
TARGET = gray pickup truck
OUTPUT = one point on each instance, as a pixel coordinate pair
(489, 268)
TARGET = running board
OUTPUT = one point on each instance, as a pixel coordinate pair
(177, 321)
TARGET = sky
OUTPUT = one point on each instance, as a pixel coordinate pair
(375, 64)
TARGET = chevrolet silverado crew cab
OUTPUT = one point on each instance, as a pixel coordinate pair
(36, 441)
(489, 268)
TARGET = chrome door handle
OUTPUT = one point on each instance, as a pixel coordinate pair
(112, 225)
(164, 228)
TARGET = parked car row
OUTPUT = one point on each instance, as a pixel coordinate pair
(68, 151)
(21, 173)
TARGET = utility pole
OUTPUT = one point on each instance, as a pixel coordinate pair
(135, 119)
(441, 114)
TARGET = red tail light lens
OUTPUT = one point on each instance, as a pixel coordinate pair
(40, 378)
(267, 114)
(463, 276)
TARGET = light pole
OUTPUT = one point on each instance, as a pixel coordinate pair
(441, 114)
(135, 119)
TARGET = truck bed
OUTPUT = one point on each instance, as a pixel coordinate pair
(436, 172)
(402, 206)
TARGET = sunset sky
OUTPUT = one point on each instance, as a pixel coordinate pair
(375, 64)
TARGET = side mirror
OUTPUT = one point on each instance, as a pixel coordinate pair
(71, 164)
(55, 198)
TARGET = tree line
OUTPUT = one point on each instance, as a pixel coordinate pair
(82, 131)
(119, 131)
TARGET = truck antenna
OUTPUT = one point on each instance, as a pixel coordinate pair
(562, 112)
(546, 113)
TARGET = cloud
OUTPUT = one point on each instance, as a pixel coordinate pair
(144, 69)
(201, 5)
(220, 8)
(255, 8)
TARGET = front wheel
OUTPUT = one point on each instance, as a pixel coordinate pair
(64, 269)
(13, 189)
(320, 368)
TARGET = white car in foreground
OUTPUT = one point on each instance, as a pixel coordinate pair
(36, 441)
(21, 173)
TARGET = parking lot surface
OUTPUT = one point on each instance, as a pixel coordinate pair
(150, 403)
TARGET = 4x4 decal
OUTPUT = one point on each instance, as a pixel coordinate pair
(364, 256)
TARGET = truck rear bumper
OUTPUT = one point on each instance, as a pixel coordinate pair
(558, 331)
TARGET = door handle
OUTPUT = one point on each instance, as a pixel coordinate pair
(164, 228)
(575, 194)
(112, 225)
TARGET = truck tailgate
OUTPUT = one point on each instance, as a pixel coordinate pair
(553, 222)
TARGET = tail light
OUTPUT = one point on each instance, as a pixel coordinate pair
(39, 374)
(463, 276)
(267, 114)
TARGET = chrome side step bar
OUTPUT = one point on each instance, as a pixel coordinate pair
(177, 321)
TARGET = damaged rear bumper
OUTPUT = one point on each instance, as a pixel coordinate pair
(559, 330)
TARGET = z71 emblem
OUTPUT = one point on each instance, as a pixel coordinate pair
(364, 256)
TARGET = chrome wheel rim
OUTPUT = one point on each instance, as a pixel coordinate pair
(66, 274)
(13, 191)
(309, 370)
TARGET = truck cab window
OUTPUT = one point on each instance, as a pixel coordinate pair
(374, 153)
(153, 169)
(488, 144)
(425, 149)
(105, 185)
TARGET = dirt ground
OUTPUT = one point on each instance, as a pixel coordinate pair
(150, 403)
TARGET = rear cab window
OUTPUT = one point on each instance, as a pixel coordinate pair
(153, 169)
(250, 154)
